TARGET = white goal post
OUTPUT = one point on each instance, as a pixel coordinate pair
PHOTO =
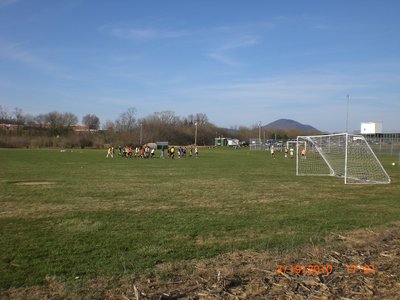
(343, 155)
(295, 144)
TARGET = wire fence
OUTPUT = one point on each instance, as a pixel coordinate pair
(385, 143)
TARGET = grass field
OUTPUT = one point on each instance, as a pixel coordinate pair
(78, 214)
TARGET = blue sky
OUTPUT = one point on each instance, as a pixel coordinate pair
(240, 62)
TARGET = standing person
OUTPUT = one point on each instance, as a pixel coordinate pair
(142, 152)
(286, 152)
(191, 151)
(162, 152)
(291, 152)
(152, 152)
(179, 152)
(137, 152)
(109, 152)
(129, 152)
(172, 151)
(273, 152)
(196, 152)
(303, 153)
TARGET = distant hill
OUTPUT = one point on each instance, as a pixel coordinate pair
(287, 124)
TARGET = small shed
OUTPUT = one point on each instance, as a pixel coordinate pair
(226, 142)
(162, 145)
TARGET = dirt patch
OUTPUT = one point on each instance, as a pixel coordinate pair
(363, 264)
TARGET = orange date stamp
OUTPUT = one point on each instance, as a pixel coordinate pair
(323, 269)
(364, 269)
(309, 269)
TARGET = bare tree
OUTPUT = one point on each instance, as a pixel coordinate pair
(160, 126)
(109, 125)
(54, 119)
(60, 122)
(201, 118)
(69, 119)
(19, 116)
(5, 116)
(167, 117)
(40, 119)
(126, 121)
(190, 119)
(91, 121)
(29, 120)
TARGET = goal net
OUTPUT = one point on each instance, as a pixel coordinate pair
(343, 155)
(256, 144)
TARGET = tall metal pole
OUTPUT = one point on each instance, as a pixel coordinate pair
(347, 114)
(259, 132)
(195, 134)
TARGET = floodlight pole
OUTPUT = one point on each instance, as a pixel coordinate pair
(259, 131)
(347, 114)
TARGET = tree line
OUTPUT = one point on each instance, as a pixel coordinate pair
(59, 129)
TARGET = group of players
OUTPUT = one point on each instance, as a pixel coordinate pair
(149, 152)
(288, 151)
(182, 151)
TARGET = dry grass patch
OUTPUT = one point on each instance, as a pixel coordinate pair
(369, 207)
(239, 237)
(253, 275)
(36, 210)
(79, 225)
(41, 210)
(34, 183)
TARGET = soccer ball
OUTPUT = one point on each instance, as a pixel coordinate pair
(393, 164)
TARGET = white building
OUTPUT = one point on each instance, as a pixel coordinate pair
(371, 127)
(221, 141)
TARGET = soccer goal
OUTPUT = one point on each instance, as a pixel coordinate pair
(296, 144)
(343, 155)
(256, 144)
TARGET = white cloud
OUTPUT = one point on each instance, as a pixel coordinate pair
(222, 53)
(288, 89)
(142, 33)
(15, 52)
(4, 3)
(239, 42)
(223, 58)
